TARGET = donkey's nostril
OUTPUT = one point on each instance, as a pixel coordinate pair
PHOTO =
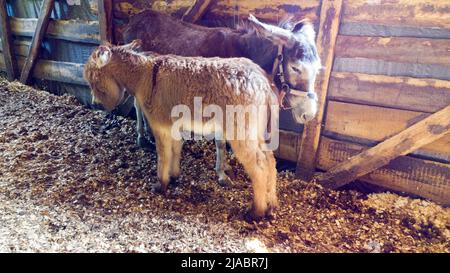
(308, 117)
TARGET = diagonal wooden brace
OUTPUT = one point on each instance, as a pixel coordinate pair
(196, 11)
(422, 133)
(41, 29)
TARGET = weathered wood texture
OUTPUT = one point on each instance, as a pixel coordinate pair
(328, 30)
(362, 122)
(434, 13)
(126, 8)
(54, 71)
(405, 174)
(288, 148)
(397, 49)
(38, 36)
(389, 68)
(422, 95)
(6, 42)
(379, 30)
(268, 10)
(21, 48)
(196, 11)
(421, 133)
(105, 19)
(70, 30)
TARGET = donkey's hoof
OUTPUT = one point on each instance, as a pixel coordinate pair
(174, 181)
(144, 143)
(225, 182)
(250, 216)
(270, 214)
(159, 188)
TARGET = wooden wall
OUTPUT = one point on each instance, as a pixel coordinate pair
(391, 69)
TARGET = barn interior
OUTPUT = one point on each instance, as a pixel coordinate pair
(371, 173)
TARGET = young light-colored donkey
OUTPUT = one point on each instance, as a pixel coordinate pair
(160, 83)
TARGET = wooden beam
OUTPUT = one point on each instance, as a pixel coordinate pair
(406, 93)
(428, 179)
(330, 17)
(7, 46)
(41, 28)
(76, 31)
(196, 11)
(423, 132)
(105, 16)
(54, 71)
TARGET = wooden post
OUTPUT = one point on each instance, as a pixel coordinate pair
(41, 28)
(329, 26)
(407, 141)
(105, 16)
(196, 11)
(7, 45)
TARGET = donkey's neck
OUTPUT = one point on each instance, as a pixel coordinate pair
(130, 73)
(258, 49)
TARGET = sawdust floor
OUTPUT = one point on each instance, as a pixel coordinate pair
(71, 179)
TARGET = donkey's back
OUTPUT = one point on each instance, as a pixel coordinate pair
(167, 35)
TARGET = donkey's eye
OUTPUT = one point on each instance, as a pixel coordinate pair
(296, 69)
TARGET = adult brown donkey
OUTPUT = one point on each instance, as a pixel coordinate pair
(287, 52)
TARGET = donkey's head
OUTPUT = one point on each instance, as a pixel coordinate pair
(101, 70)
(300, 62)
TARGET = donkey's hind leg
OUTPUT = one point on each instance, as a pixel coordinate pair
(255, 163)
(142, 141)
(221, 164)
(165, 153)
(272, 197)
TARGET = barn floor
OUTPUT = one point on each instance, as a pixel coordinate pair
(73, 180)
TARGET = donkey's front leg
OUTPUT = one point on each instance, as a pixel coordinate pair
(141, 139)
(165, 154)
(221, 164)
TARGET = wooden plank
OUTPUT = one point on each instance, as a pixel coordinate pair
(41, 28)
(288, 149)
(422, 95)
(434, 13)
(126, 8)
(421, 133)
(381, 67)
(7, 46)
(54, 71)
(326, 40)
(368, 29)
(70, 30)
(268, 10)
(196, 11)
(105, 18)
(396, 49)
(405, 174)
(373, 124)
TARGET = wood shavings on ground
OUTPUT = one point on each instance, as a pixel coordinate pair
(72, 179)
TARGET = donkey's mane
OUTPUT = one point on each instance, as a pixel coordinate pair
(133, 56)
(287, 22)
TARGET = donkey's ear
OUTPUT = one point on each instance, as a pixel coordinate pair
(306, 28)
(135, 45)
(103, 56)
(276, 34)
